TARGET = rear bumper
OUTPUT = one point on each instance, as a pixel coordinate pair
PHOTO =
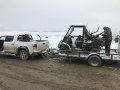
(36, 53)
(39, 52)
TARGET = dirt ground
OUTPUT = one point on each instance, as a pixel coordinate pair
(51, 74)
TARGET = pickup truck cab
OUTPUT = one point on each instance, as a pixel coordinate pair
(22, 45)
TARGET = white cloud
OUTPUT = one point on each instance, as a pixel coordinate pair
(58, 14)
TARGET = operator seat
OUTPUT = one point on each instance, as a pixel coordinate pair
(78, 42)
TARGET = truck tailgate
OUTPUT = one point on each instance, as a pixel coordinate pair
(42, 45)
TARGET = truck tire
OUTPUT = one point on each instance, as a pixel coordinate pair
(94, 61)
(23, 54)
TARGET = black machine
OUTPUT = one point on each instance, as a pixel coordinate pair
(1, 45)
(78, 37)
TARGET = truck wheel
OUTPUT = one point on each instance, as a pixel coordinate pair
(94, 50)
(94, 61)
(23, 54)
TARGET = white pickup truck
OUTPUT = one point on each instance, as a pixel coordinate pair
(22, 45)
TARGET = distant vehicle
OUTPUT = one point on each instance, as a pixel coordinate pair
(79, 37)
(22, 45)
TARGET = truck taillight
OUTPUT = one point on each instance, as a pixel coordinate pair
(35, 45)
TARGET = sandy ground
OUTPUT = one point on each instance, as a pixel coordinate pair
(51, 74)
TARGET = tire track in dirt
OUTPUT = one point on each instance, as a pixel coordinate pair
(21, 66)
(2, 87)
(32, 79)
(37, 68)
(36, 80)
(102, 74)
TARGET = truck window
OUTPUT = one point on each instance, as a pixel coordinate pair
(9, 38)
(25, 38)
(20, 38)
(2, 38)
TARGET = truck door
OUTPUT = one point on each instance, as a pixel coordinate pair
(9, 46)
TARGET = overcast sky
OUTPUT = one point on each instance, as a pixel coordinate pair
(40, 15)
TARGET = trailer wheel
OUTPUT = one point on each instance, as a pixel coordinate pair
(94, 61)
(23, 54)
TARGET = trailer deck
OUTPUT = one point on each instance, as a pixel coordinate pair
(86, 55)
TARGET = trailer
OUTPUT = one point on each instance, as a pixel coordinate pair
(93, 58)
